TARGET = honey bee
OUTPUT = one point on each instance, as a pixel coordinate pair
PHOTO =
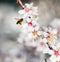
(20, 21)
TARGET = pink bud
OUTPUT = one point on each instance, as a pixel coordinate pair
(30, 23)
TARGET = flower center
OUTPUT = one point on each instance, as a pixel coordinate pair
(27, 9)
(34, 32)
(56, 53)
(42, 44)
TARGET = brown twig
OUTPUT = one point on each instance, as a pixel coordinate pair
(20, 3)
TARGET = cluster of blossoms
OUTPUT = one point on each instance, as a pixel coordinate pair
(45, 39)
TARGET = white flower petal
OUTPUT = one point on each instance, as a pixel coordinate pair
(39, 33)
(30, 29)
(37, 28)
(25, 15)
(21, 12)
